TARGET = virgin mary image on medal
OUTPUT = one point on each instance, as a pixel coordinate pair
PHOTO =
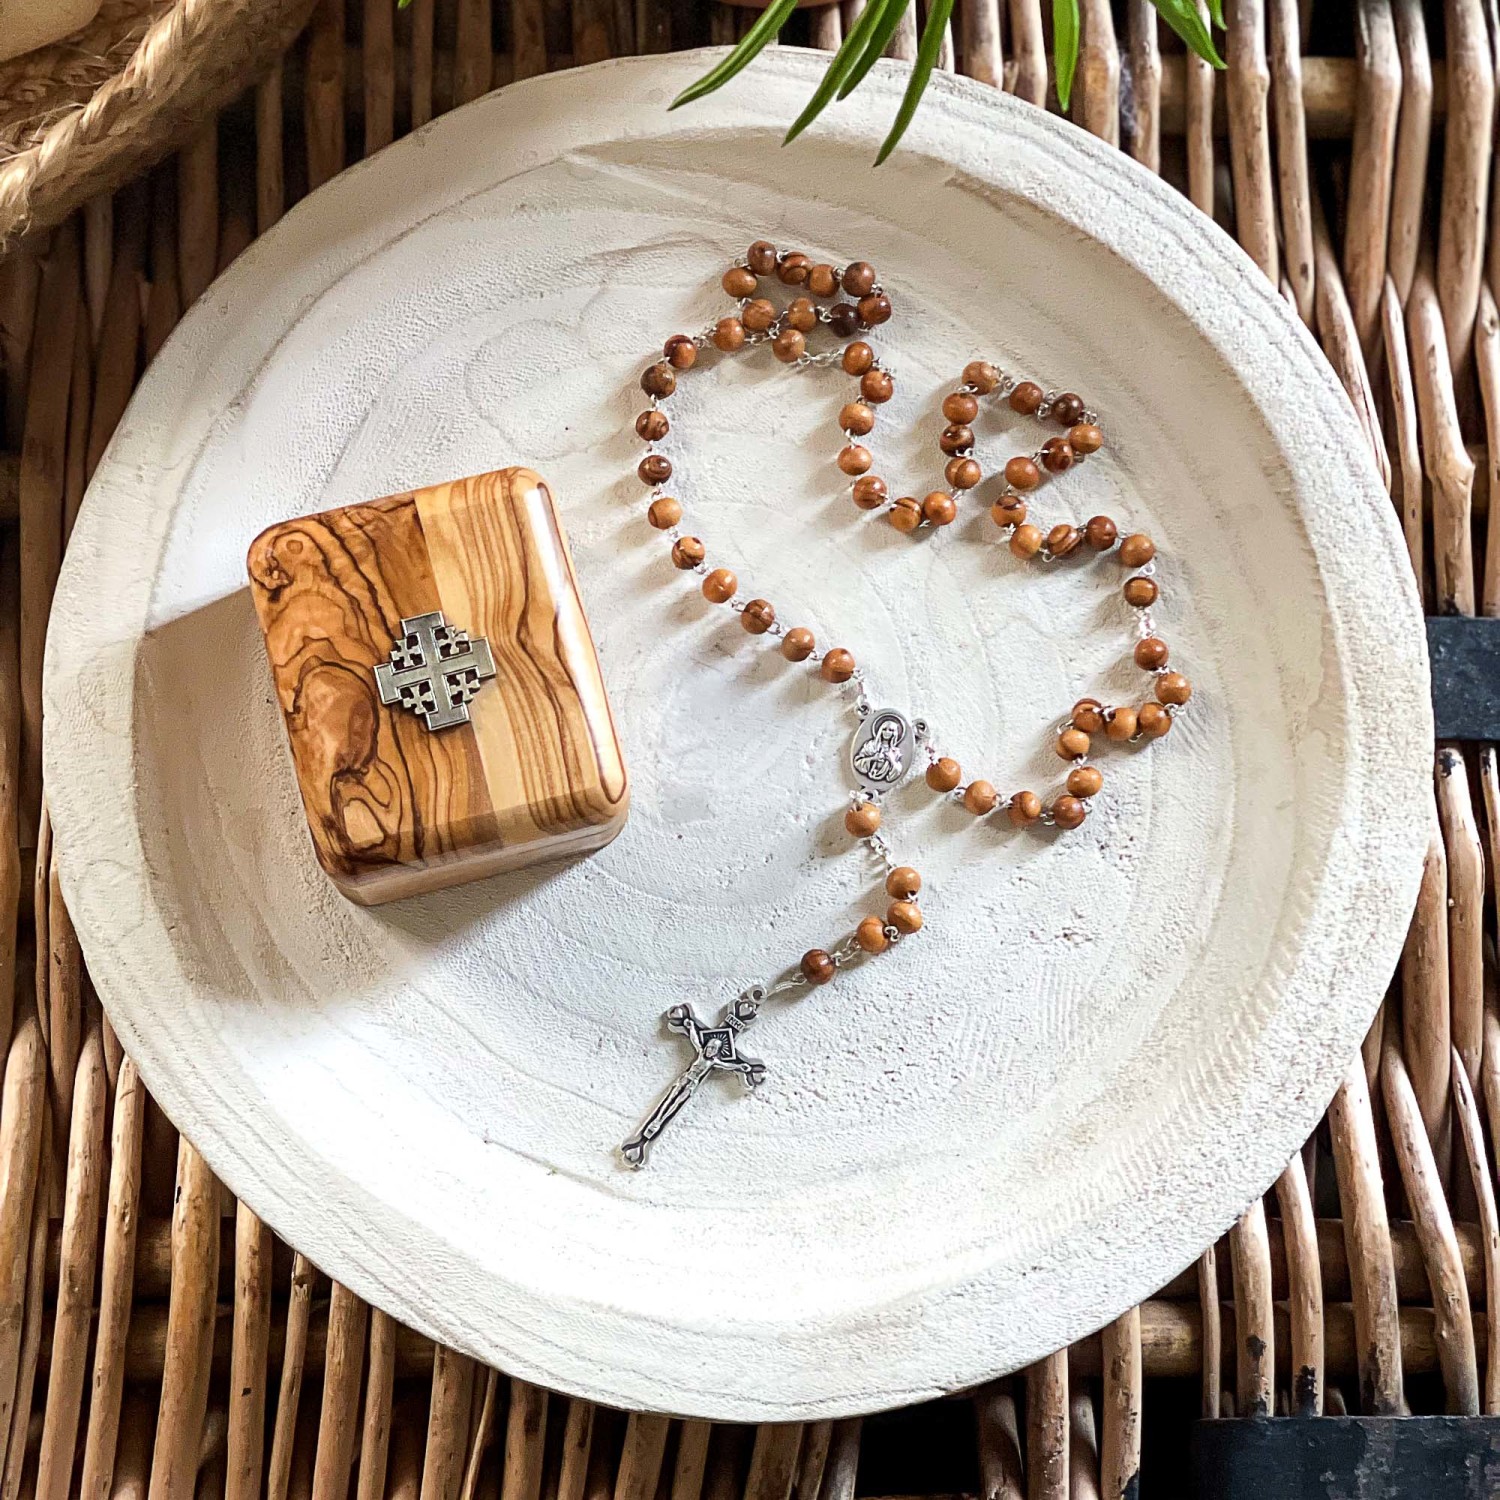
(881, 752)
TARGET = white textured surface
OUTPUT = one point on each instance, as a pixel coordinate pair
(981, 1147)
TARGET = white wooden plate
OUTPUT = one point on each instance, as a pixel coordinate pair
(987, 1144)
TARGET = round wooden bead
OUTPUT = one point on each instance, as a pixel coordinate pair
(876, 386)
(903, 883)
(687, 552)
(1137, 550)
(906, 513)
(1022, 473)
(870, 935)
(719, 586)
(1085, 781)
(652, 425)
(956, 438)
(758, 315)
(659, 379)
(858, 358)
(1151, 653)
(844, 320)
(664, 512)
(982, 375)
(758, 616)
(1026, 541)
(1088, 715)
(1069, 812)
(1026, 398)
(980, 798)
(801, 314)
(797, 644)
(1067, 409)
(863, 820)
(654, 468)
(905, 917)
(680, 352)
(963, 473)
(1063, 539)
(761, 257)
(822, 280)
(1101, 533)
(793, 269)
(938, 508)
(875, 309)
(859, 278)
(854, 459)
(789, 345)
(869, 491)
(1084, 437)
(817, 966)
(944, 774)
(1057, 457)
(1174, 688)
(728, 335)
(837, 665)
(1120, 723)
(1155, 721)
(960, 406)
(1024, 808)
(856, 418)
(1072, 743)
(740, 282)
(1008, 511)
(1141, 592)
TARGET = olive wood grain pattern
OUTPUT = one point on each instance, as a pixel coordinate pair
(393, 807)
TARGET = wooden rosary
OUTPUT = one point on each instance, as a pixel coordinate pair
(887, 743)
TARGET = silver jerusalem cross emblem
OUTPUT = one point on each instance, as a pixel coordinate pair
(434, 670)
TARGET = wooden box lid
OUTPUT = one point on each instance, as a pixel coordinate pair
(528, 769)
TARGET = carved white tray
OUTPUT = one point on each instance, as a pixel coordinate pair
(1001, 1135)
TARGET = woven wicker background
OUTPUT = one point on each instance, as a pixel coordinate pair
(155, 1341)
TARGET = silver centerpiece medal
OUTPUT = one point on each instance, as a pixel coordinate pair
(882, 750)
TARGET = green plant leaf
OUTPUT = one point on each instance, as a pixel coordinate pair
(1065, 46)
(1216, 13)
(938, 12)
(751, 45)
(843, 60)
(880, 39)
(1182, 16)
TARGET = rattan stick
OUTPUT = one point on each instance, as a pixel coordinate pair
(1466, 170)
(1449, 467)
(528, 37)
(1429, 1209)
(1407, 473)
(10, 766)
(946, 57)
(421, 13)
(1413, 135)
(1471, 1138)
(20, 276)
(903, 45)
(1198, 127)
(482, 1439)
(1030, 51)
(237, 211)
(1487, 361)
(343, 1369)
(289, 1393)
(31, 1332)
(1249, 85)
(812, 1460)
(323, 93)
(773, 1462)
(1465, 908)
(164, 299)
(984, 54)
(304, 1448)
(1426, 1020)
(270, 151)
(132, 1476)
(190, 1328)
(1367, 1236)
(120, 325)
(1372, 161)
(1124, 1392)
(43, 454)
(826, 25)
(1284, 57)
(577, 1440)
(80, 402)
(1213, 1333)
(592, 24)
(472, 59)
(380, 1381)
(245, 1441)
(1255, 1346)
(98, 250)
(1096, 102)
(1083, 1448)
(198, 212)
(64, 1024)
(378, 73)
(1047, 1428)
(1304, 1289)
(447, 1424)
(840, 1471)
(73, 1313)
(526, 1442)
(1144, 134)
(116, 1286)
(23, 1111)
(1001, 1473)
(641, 1457)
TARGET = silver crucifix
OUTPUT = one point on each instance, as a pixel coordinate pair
(717, 1049)
(434, 670)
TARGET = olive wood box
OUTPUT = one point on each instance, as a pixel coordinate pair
(464, 596)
